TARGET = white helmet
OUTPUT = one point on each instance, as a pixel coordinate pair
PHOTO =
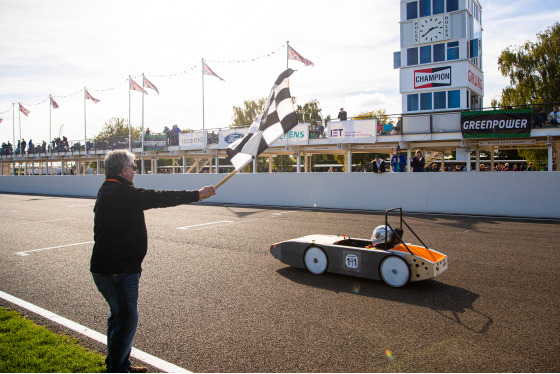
(379, 235)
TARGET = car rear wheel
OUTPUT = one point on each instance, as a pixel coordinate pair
(315, 260)
(394, 271)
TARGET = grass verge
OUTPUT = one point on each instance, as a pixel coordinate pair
(26, 347)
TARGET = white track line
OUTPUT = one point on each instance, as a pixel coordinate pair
(26, 253)
(97, 336)
(204, 224)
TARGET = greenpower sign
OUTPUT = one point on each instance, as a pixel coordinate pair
(155, 143)
(504, 123)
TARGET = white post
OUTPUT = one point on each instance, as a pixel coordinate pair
(254, 165)
(477, 154)
(129, 131)
(550, 151)
(202, 93)
(85, 127)
(217, 163)
(298, 162)
(143, 85)
(349, 161)
(408, 159)
(492, 159)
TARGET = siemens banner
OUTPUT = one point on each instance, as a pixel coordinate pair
(514, 123)
(296, 136)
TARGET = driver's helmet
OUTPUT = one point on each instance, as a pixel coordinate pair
(379, 235)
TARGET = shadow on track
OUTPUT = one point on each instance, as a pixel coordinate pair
(452, 302)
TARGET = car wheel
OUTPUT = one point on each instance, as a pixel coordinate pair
(315, 260)
(394, 271)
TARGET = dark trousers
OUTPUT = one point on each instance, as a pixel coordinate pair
(121, 293)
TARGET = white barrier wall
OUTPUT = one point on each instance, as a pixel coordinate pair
(517, 194)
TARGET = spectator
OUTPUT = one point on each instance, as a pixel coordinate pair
(398, 161)
(23, 146)
(540, 118)
(148, 131)
(121, 242)
(319, 129)
(531, 167)
(554, 116)
(418, 162)
(378, 165)
(176, 131)
(31, 147)
(342, 116)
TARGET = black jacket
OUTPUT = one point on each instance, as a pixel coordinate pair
(417, 165)
(381, 168)
(120, 235)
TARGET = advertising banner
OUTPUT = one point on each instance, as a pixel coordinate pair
(363, 131)
(155, 143)
(229, 136)
(192, 140)
(505, 123)
(297, 136)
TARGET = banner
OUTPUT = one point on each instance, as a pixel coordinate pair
(296, 136)
(504, 123)
(362, 131)
(155, 143)
(229, 136)
(192, 140)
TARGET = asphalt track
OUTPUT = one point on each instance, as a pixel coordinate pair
(212, 298)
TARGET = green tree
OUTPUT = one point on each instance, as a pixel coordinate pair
(244, 116)
(117, 127)
(533, 70)
(538, 156)
(379, 114)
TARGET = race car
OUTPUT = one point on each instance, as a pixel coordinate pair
(386, 257)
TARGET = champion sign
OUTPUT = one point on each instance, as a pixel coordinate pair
(435, 77)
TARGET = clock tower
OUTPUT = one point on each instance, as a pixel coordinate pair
(440, 59)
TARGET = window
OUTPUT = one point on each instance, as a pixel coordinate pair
(426, 101)
(454, 99)
(411, 102)
(452, 5)
(396, 60)
(425, 8)
(452, 51)
(438, 6)
(439, 52)
(473, 48)
(439, 100)
(411, 10)
(426, 54)
(412, 56)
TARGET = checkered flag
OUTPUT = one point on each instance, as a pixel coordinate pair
(277, 119)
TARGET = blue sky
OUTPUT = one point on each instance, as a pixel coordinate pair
(59, 46)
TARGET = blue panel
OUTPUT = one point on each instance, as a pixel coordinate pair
(454, 99)
(411, 102)
(411, 10)
(439, 52)
(438, 6)
(412, 56)
(439, 100)
(426, 101)
(425, 8)
(426, 54)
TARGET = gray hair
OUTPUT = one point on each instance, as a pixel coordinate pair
(115, 160)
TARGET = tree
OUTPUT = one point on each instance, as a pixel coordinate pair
(117, 127)
(244, 116)
(379, 114)
(533, 70)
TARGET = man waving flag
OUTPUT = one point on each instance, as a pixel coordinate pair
(278, 117)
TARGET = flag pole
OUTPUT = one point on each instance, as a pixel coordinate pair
(84, 119)
(50, 118)
(143, 85)
(19, 120)
(14, 125)
(287, 53)
(202, 94)
(129, 132)
(225, 179)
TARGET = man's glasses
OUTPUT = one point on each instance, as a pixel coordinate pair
(133, 166)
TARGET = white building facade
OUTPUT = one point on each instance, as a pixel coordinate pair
(440, 59)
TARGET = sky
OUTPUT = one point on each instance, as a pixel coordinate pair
(58, 47)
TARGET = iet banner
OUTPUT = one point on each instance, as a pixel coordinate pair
(155, 143)
(504, 123)
(362, 131)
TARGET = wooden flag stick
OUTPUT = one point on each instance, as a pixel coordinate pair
(225, 179)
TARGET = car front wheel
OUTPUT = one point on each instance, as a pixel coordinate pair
(315, 260)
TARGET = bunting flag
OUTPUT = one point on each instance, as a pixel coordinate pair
(1, 120)
(88, 96)
(278, 117)
(149, 84)
(293, 55)
(135, 87)
(54, 104)
(23, 110)
(208, 71)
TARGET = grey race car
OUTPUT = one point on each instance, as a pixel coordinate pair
(395, 262)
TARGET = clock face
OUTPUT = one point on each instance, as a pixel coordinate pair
(430, 29)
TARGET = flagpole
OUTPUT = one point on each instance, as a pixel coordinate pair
(85, 124)
(143, 85)
(19, 120)
(14, 125)
(287, 54)
(129, 132)
(50, 117)
(202, 94)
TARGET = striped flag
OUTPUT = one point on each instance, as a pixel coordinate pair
(293, 55)
(208, 71)
(54, 104)
(149, 84)
(88, 96)
(23, 110)
(278, 117)
(135, 87)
